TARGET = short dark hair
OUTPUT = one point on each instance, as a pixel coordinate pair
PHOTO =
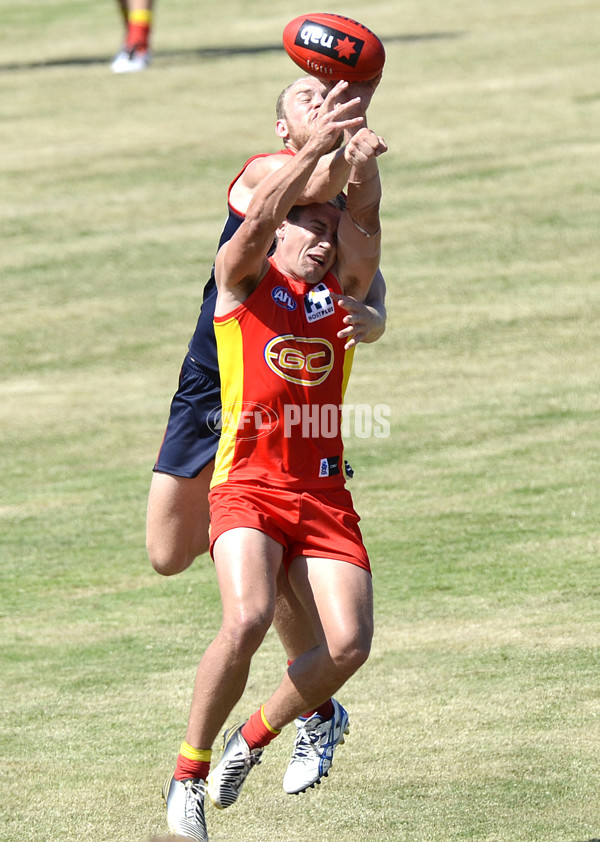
(338, 202)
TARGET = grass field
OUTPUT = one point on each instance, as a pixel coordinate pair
(478, 715)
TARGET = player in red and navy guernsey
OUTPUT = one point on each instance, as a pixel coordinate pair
(278, 501)
(177, 522)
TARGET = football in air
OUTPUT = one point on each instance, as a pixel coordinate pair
(333, 47)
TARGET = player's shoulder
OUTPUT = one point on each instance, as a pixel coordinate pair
(255, 170)
(259, 166)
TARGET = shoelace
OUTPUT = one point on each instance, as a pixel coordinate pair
(304, 747)
(194, 800)
(315, 741)
(237, 769)
(309, 741)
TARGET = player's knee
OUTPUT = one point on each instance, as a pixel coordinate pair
(354, 657)
(166, 560)
(247, 628)
(350, 654)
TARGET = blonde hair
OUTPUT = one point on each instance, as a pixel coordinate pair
(280, 104)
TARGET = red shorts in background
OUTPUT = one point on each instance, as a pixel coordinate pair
(321, 524)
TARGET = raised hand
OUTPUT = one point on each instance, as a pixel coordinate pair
(364, 145)
(335, 116)
(363, 322)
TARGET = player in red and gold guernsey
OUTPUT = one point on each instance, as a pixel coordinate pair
(278, 497)
(281, 415)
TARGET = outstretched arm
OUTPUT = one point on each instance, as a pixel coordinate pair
(327, 180)
(359, 233)
(332, 170)
(240, 263)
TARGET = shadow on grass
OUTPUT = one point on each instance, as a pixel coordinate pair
(206, 53)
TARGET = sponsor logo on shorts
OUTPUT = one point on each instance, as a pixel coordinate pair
(329, 42)
(318, 303)
(296, 359)
(282, 298)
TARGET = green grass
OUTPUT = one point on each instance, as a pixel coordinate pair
(477, 716)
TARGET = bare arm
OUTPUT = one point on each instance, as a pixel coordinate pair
(375, 302)
(241, 263)
(332, 170)
(359, 234)
(326, 181)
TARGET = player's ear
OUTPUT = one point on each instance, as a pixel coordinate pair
(280, 232)
(281, 130)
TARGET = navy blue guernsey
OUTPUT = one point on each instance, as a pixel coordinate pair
(203, 345)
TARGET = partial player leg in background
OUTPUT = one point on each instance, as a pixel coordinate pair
(135, 54)
(177, 520)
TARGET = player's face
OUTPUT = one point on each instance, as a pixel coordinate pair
(308, 246)
(302, 104)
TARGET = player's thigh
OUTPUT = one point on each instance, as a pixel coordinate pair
(247, 563)
(178, 515)
(338, 596)
(179, 499)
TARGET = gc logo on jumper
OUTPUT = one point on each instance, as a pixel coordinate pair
(318, 303)
(297, 359)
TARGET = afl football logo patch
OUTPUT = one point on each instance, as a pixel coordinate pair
(282, 298)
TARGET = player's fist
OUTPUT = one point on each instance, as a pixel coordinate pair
(362, 146)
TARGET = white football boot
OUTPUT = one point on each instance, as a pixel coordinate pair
(313, 750)
(227, 778)
(131, 60)
(185, 808)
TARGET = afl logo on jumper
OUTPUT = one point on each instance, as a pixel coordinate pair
(299, 360)
(318, 303)
(281, 297)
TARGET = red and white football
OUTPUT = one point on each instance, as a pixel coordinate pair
(333, 47)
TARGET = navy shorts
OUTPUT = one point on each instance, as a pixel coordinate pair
(190, 440)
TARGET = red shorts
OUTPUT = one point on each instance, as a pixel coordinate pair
(319, 524)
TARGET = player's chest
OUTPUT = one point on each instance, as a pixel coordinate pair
(306, 311)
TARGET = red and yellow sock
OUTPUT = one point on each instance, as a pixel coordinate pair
(192, 763)
(139, 26)
(257, 732)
